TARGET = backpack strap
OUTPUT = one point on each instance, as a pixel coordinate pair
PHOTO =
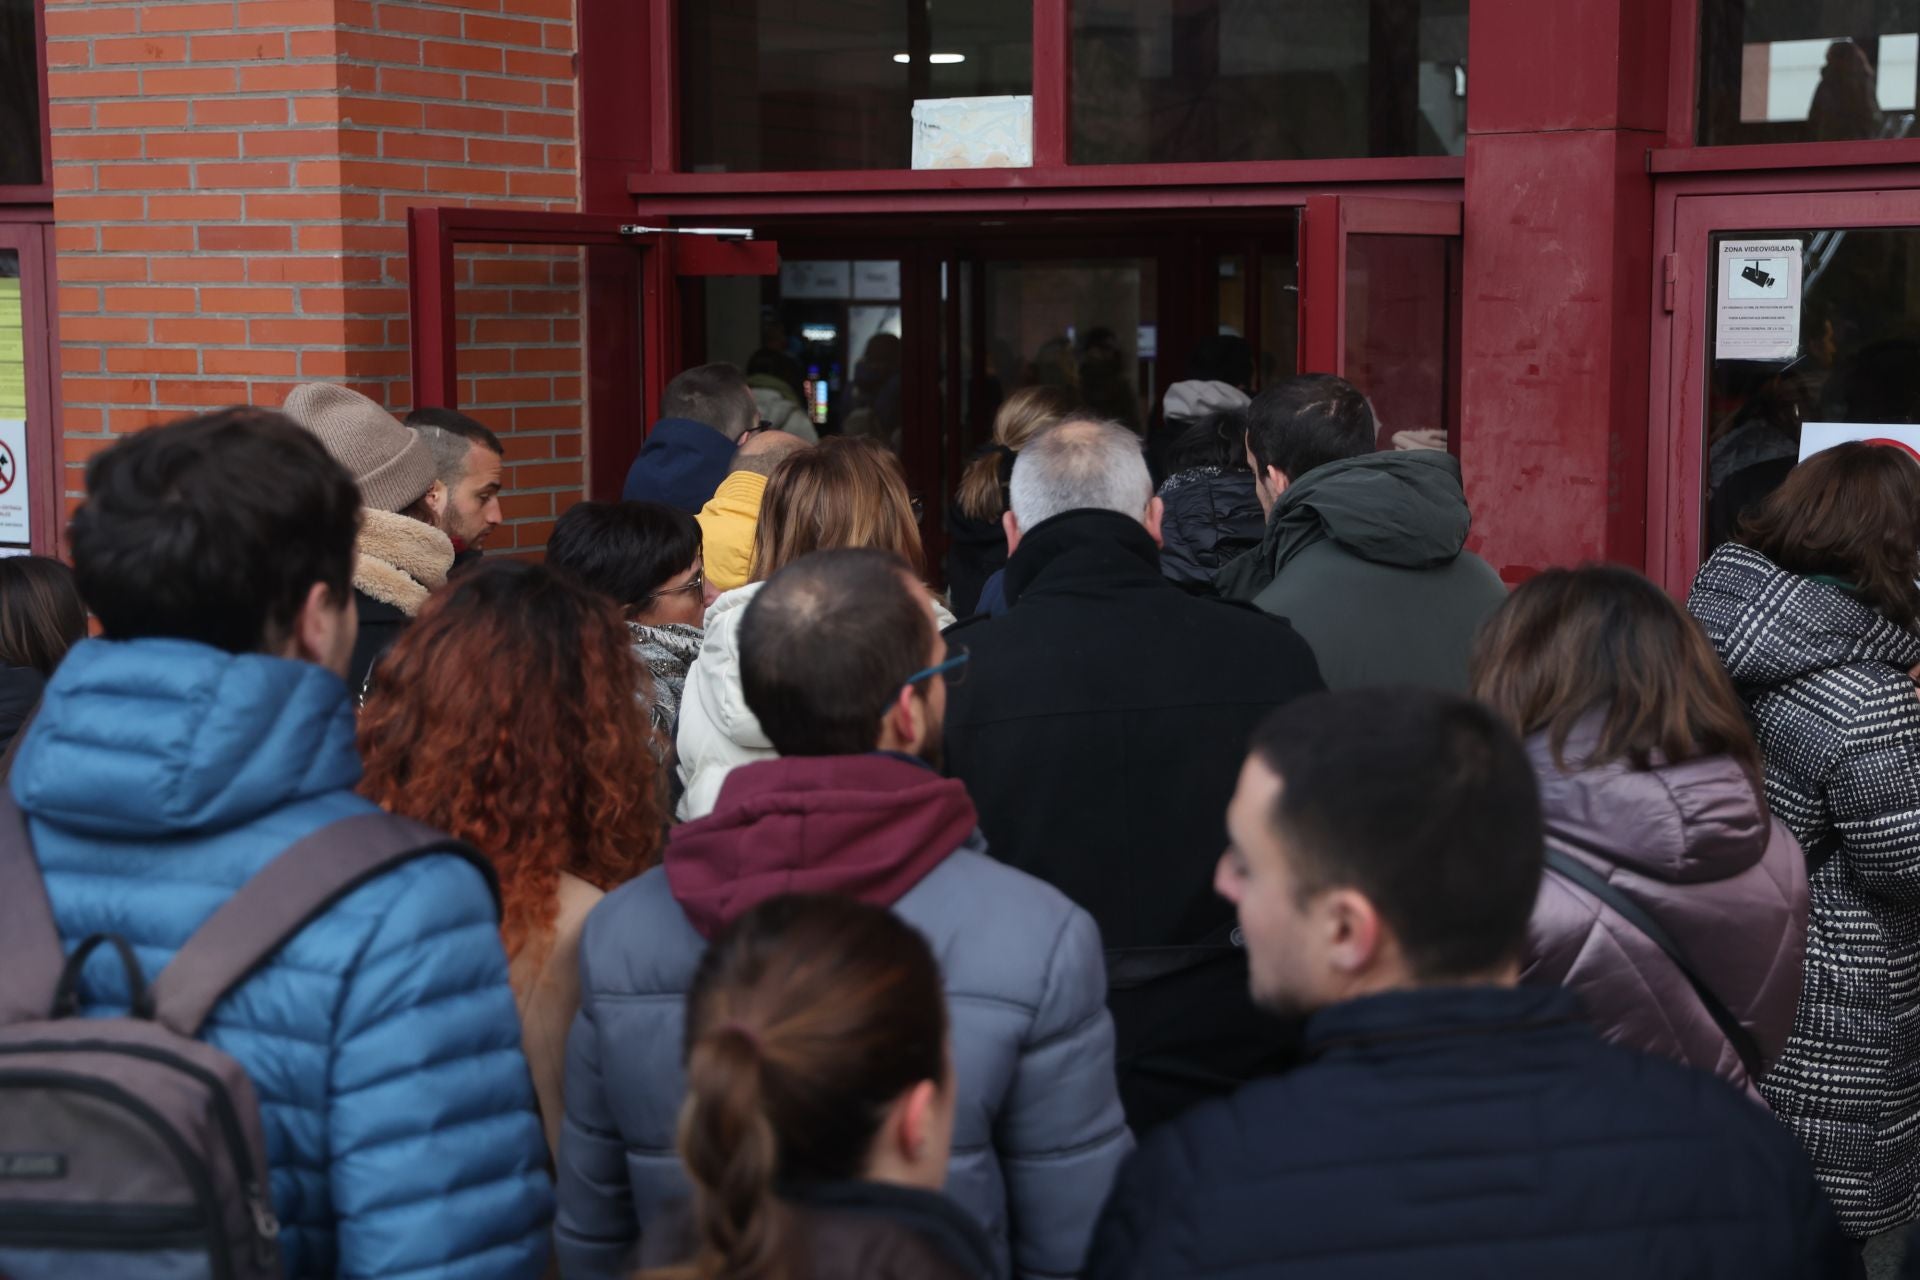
(1571, 868)
(282, 899)
(34, 956)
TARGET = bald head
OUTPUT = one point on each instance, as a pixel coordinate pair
(762, 451)
(1082, 464)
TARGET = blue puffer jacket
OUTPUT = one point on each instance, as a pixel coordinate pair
(382, 1040)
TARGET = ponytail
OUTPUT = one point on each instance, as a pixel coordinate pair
(982, 494)
(733, 1157)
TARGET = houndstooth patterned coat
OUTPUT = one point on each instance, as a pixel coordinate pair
(1825, 681)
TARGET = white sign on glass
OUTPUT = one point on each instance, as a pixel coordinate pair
(973, 133)
(15, 522)
(1758, 297)
(816, 279)
(1818, 436)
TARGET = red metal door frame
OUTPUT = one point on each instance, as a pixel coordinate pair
(634, 288)
(1688, 213)
(45, 463)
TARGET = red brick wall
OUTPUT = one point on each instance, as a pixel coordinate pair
(231, 186)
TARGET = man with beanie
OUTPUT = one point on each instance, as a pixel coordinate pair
(732, 515)
(704, 413)
(401, 557)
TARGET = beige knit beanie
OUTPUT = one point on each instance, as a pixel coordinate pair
(391, 463)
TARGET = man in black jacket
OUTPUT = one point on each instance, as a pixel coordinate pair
(1386, 855)
(1099, 732)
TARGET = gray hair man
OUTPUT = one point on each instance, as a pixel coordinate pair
(1099, 732)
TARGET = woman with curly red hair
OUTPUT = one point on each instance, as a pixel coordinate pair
(505, 716)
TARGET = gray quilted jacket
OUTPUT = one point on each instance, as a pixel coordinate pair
(1038, 1135)
(1825, 681)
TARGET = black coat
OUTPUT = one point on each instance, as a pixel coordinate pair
(1100, 729)
(1471, 1132)
(380, 625)
(1212, 517)
(20, 690)
(978, 550)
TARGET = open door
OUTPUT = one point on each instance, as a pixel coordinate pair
(552, 328)
(1380, 306)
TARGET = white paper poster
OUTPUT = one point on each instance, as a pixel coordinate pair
(973, 133)
(1816, 436)
(876, 281)
(1758, 316)
(14, 526)
(816, 279)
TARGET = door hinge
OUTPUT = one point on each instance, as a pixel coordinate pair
(1668, 282)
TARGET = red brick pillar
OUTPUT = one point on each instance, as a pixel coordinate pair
(1563, 103)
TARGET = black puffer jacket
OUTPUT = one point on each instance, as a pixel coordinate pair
(1471, 1132)
(1212, 516)
(1825, 681)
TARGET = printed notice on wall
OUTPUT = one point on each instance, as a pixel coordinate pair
(14, 525)
(1759, 300)
(13, 356)
(1818, 436)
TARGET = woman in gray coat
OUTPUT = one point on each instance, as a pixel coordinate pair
(1649, 780)
(1815, 615)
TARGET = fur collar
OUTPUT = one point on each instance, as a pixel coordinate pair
(400, 561)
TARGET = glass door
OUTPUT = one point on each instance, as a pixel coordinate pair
(551, 329)
(1780, 311)
(1380, 306)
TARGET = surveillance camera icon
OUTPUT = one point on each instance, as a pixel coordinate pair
(1758, 277)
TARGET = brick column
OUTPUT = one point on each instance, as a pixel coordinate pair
(1564, 101)
(231, 186)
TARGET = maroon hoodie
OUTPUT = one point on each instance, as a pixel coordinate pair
(870, 827)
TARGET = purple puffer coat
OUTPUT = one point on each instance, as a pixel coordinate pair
(1691, 846)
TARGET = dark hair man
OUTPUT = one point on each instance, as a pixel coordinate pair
(1365, 553)
(1100, 734)
(844, 666)
(1385, 857)
(703, 414)
(467, 458)
(206, 731)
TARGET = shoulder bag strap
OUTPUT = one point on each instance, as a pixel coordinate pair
(282, 899)
(1571, 868)
(33, 956)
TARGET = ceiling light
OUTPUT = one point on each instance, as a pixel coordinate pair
(937, 59)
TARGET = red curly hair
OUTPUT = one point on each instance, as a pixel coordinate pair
(506, 715)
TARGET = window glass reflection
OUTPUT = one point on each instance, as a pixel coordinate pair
(20, 125)
(1220, 80)
(1807, 70)
(831, 84)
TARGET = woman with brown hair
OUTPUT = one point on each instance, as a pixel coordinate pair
(979, 547)
(1813, 610)
(1657, 834)
(505, 717)
(842, 493)
(820, 1104)
(41, 617)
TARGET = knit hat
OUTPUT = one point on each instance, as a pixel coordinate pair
(391, 463)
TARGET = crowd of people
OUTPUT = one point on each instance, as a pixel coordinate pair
(720, 897)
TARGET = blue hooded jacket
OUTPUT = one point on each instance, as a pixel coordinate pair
(681, 464)
(382, 1039)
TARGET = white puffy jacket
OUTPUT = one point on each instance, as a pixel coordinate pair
(718, 731)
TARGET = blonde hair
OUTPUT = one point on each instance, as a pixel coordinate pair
(844, 492)
(1026, 413)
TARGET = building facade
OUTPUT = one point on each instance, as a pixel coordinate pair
(1521, 226)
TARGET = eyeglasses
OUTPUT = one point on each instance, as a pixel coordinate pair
(762, 426)
(954, 668)
(695, 583)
